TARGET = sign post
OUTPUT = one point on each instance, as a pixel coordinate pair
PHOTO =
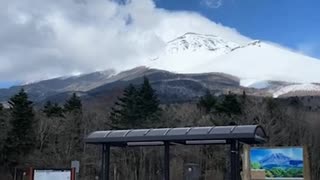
(76, 166)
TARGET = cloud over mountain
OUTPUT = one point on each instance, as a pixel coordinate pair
(40, 39)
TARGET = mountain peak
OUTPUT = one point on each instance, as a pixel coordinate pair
(192, 42)
(196, 34)
(275, 158)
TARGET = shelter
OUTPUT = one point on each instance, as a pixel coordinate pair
(229, 135)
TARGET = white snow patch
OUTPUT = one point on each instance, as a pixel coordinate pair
(296, 87)
(260, 85)
(249, 82)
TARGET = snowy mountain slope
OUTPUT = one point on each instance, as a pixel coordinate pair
(306, 88)
(255, 63)
(284, 89)
(263, 61)
(196, 53)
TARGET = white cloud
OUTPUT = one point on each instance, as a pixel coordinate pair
(212, 3)
(41, 39)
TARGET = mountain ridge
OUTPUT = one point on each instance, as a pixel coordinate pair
(170, 85)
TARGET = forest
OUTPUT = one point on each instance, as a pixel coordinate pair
(52, 135)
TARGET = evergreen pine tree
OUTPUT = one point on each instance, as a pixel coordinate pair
(230, 105)
(52, 110)
(21, 137)
(137, 108)
(149, 102)
(3, 130)
(207, 102)
(73, 104)
(126, 113)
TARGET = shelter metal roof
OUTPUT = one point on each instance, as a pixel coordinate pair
(249, 134)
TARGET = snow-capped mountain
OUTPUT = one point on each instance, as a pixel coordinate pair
(279, 160)
(197, 53)
(193, 63)
(255, 62)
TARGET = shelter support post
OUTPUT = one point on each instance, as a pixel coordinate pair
(246, 162)
(105, 162)
(234, 160)
(166, 161)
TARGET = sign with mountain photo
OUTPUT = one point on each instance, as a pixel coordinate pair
(277, 163)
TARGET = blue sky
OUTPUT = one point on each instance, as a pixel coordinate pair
(257, 154)
(6, 84)
(291, 23)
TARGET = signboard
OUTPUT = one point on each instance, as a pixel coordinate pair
(277, 163)
(76, 165)
(52, 174)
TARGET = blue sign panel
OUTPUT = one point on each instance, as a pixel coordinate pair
(278, 162)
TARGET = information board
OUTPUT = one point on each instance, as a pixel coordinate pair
(278, 163)
(52, 174)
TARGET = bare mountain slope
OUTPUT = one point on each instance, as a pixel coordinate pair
(170, 86)
(43, 89)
